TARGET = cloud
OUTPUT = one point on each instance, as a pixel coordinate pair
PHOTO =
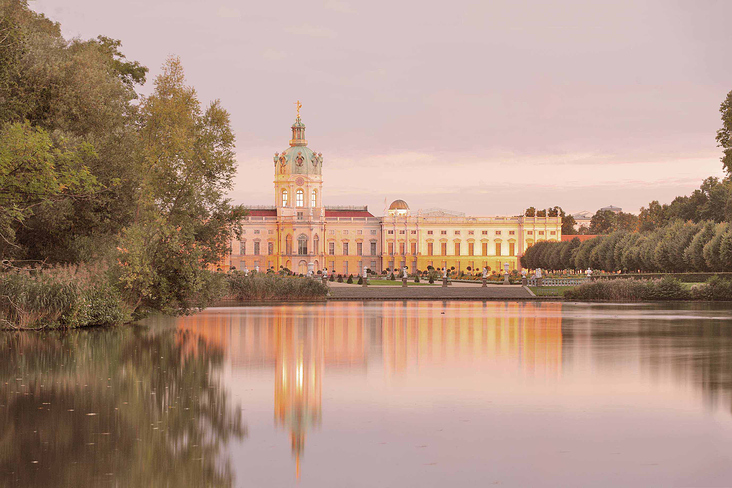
(228, 13)
(338, 6)
(312, 31)
(273, 54)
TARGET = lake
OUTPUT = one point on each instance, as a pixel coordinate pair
(363, 394)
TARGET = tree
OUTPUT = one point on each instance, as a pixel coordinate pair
(724, 134)
(530, 212)
(711, 251)
(694, 253)
(182, 221)
(602, 222)
(568, 224)
(33, 174)
(652, 217)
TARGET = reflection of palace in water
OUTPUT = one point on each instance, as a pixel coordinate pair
(301, 342)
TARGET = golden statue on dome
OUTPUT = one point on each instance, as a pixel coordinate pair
(298, 105)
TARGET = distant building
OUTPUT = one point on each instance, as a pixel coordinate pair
(613, 209)
(299, 231)
(582, 219)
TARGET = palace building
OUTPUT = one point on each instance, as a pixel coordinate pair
(299, 229)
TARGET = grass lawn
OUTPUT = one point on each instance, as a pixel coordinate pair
(549, 291)
(397, 283)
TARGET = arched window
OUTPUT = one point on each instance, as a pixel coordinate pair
(288, 245)
(314, 198)
(300, 198)
(302, 245)
(284, 197)
(316, 242)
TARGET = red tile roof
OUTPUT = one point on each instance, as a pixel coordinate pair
(581, 237)
(262, 213)
(347, 213)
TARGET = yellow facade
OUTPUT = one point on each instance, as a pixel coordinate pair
(299, 232)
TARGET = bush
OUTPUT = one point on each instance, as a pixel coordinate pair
(350, 279)
(275, 287)
(629, 290)
(715, 289)
(65, 297)
(331, 278)
(340, 278)
(360, 280)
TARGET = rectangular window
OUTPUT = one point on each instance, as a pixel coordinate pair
(414, 249)
(512, 232)
(457, 249)
(299, 216)
(373, 232)
(331, 248)
(302, 246)
(531, 232)
(256, 248)
(391, 249)
(485, 249)
(331, 232)
(511, 249)
(457, 232)
(401, 248)
(373, 248)
(471, 249)
(345, 267)
(359, 232)
(402, 232)
(443, 232)
(485, 232)
(270, 248)
(471, 232)
(243, 247)
(345, 232)
(270, 232)
(429, 232)
(498, 232)
(332, 266)
(256, 232)
(373, 265)
(414, 232)
(541, 232)
(554, 232)
(345, 249)
(390, 232)
(443, 245)
(359, 248)
(430, 248)
(498, 248)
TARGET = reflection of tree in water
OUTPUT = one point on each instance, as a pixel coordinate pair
(122, 407)
(695, 351)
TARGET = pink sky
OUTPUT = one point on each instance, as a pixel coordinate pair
(481, 107)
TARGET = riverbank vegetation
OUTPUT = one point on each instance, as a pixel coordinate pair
(271, 286)
(664, 289)
(95, 175)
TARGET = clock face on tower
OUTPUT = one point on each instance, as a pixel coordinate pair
(299, 181)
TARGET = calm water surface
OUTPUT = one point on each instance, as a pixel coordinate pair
(375, 394)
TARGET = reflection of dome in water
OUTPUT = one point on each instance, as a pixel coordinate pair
(398, 207)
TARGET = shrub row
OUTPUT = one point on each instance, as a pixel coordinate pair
(675, 248)
(258, 286)
(47, 300)
(630, 290)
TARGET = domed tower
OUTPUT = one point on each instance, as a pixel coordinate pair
(299, 177)
(298, 186)
(398, 208)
